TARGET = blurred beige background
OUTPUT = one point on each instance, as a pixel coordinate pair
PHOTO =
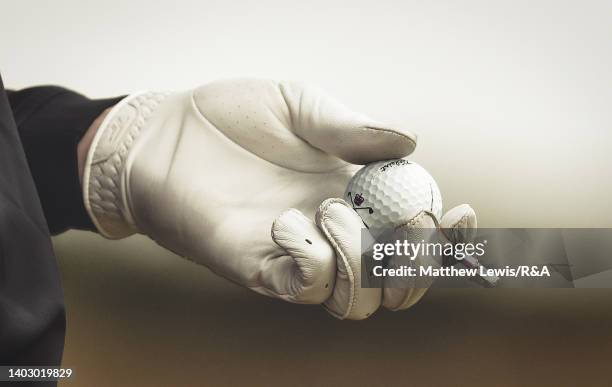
(511, 100)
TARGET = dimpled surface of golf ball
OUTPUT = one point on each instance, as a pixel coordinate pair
(389, 193)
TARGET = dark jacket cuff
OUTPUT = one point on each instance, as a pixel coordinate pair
(51, 121)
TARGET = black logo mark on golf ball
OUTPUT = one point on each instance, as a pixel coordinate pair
(358, 200)
(394, 163)
(356, 203)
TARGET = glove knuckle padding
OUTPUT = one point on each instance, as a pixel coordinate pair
(342, 227)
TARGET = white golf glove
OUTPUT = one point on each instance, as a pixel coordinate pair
(232, 173)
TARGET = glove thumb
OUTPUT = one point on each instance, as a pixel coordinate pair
(330, 126)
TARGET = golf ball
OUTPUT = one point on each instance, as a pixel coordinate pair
(389, 193)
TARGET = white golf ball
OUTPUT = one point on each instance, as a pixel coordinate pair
(389, 193)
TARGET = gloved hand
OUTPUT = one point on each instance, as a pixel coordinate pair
(230, 175)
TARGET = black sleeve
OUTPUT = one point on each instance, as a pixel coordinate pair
(32, 320)
(51, 120)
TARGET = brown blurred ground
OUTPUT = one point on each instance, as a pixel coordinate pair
(138, 316)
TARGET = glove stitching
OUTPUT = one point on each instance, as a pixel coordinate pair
(413, 221)
(352, 295)
(392, 132)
